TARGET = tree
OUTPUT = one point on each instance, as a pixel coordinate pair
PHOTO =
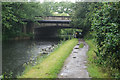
(80, 16)
(14, 12)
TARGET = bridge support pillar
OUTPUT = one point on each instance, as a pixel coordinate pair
(24, 28)
(33, 26)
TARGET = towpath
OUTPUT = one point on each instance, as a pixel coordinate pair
(75, 64)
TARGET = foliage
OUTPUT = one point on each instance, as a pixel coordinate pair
(102, 20)
(80, 16)
(69, 31)
(60, 14)
(47, 9)
(94, 70)
(57, 8)
(14, 12)
(106, 24)
(61, 7)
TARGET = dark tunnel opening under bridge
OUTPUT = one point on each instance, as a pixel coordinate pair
(50, 32)
(42, 33)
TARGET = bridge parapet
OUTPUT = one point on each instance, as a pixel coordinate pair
(54, 17)
(49, 21)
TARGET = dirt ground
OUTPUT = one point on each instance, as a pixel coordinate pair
(75, 64)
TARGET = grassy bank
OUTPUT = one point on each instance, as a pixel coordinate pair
(98, 70)
(50, 66)
(94, 70)
(81, 45)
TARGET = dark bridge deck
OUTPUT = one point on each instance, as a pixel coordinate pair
(54, 21)
(58, 27)
(50, 21)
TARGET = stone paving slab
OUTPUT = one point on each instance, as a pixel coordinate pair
(75, 64)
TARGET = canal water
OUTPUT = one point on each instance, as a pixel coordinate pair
(16, 53)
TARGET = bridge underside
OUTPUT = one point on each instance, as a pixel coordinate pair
(57, 27)
(54, 21)
(48, 28)
(45, 32)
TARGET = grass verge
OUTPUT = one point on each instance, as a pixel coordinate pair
(50, 66)
(94, 70)
(81, 45)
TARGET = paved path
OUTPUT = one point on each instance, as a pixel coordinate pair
(75, 64)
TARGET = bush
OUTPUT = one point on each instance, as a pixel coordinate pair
(105, 24)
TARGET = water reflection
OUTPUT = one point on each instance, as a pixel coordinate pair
(16, 53)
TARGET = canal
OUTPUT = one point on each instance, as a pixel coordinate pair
(17, 53)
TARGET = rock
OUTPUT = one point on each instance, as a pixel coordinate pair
(46, 49)
(53, 45)
(1, 76)
(74, 57)
(24, 64)
(30, 62)
(76, 47)
(42, 49)
(75, 52)
(49, 48)
(45, 53)
(78, 44)
(27, 63)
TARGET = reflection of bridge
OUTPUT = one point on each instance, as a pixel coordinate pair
(48, 26)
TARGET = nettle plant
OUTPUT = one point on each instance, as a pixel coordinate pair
(106, 26)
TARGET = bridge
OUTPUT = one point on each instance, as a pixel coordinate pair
(57, 21)
(46, 26)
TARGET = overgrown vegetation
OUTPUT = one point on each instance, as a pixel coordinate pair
(94, 70)
(103, 21)
(46, 69)
(80, 16)
(59, 8)
(14, 12)
(105, 24)
(106, 27)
